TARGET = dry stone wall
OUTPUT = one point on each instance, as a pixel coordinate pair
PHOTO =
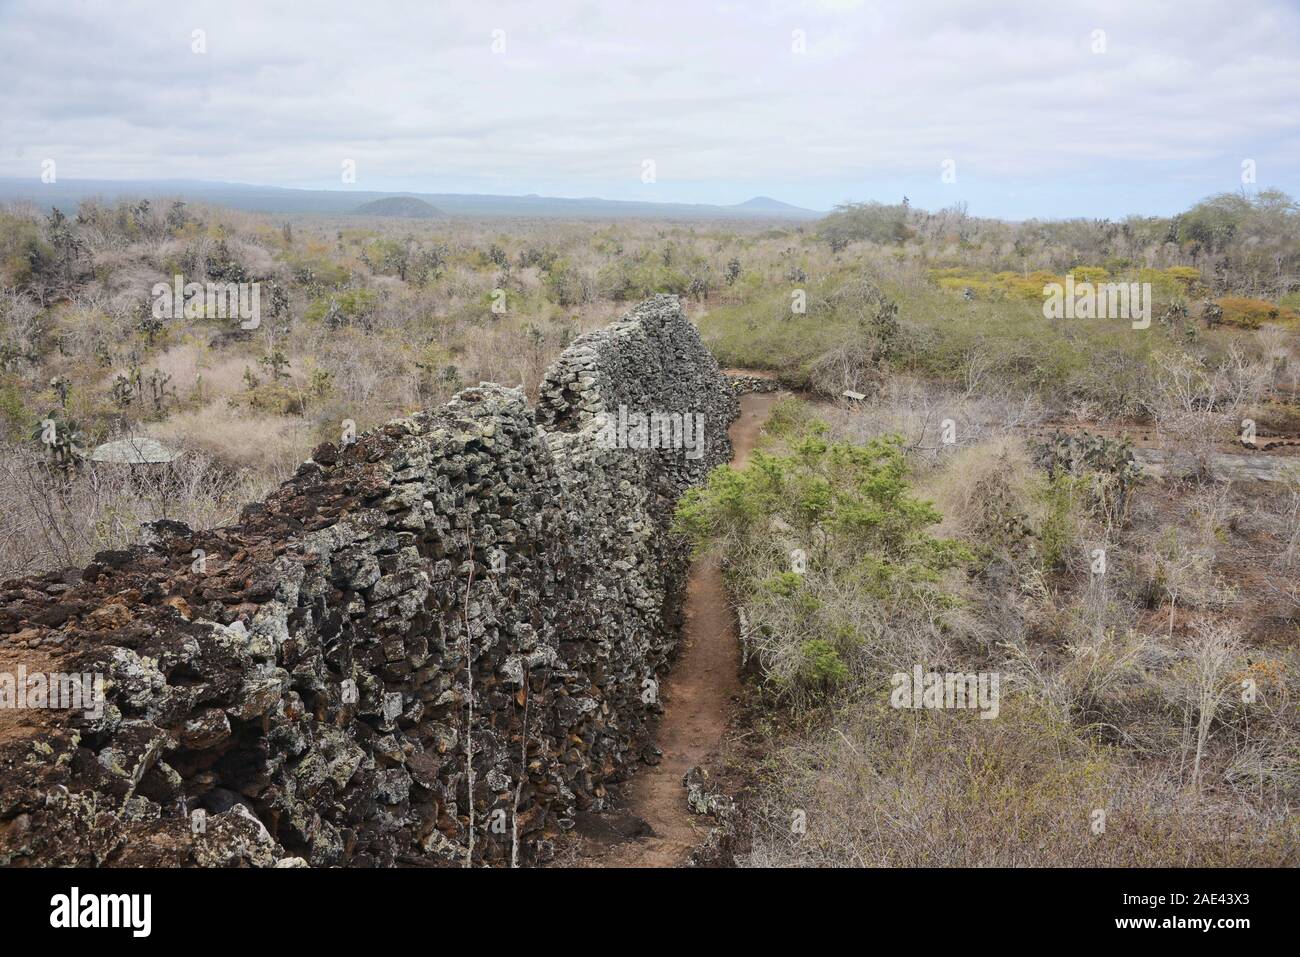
(746, 384)
(459, 617)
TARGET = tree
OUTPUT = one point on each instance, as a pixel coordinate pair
(872, 222)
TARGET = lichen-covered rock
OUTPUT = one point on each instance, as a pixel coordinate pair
(717, 849)
(451, 620)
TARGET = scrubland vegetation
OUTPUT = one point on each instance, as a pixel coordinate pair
(949, 298)
(1122, 691)
(1148, 712)
(362, 320)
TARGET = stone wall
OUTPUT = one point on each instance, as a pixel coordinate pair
(744, 384)
(483, 530)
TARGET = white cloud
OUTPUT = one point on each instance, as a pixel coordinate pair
(714, 93)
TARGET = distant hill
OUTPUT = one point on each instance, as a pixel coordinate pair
(404, 207)
(337, 202)
(766, 204)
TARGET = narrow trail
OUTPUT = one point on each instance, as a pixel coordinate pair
(697, 698)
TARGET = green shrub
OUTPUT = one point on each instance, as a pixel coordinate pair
(821, 667)
(343, 308)
(865, 558)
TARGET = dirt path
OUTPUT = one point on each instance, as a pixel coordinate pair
(697, 696)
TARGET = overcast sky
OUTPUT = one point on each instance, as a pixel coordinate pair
(813, 103)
